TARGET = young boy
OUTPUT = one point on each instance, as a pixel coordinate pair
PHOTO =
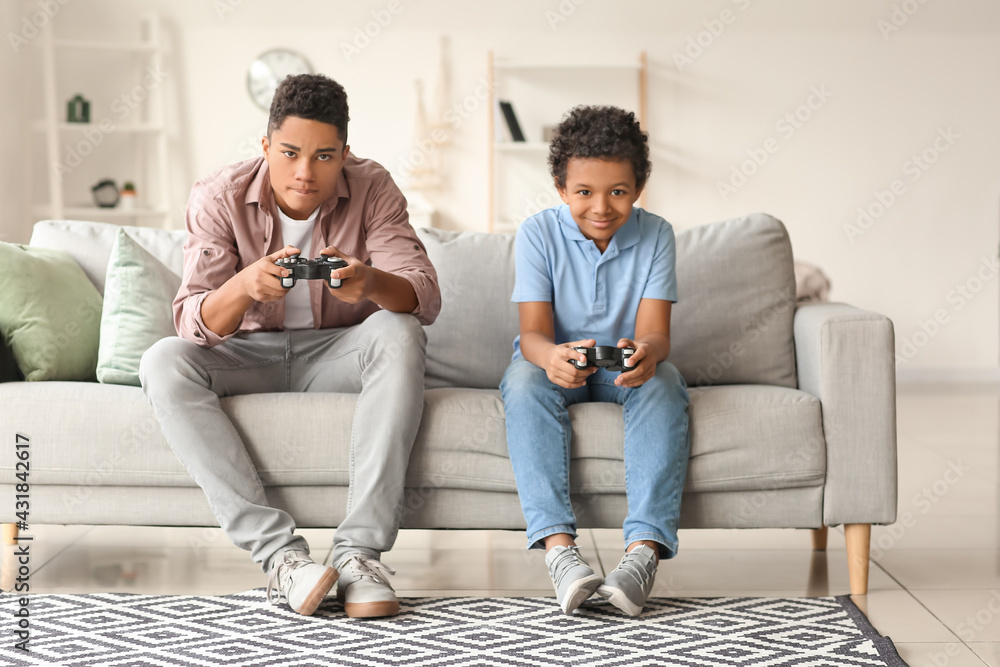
(597, 271)
(241, 331)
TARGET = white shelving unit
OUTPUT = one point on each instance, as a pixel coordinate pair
(139, 140)
(502, 71)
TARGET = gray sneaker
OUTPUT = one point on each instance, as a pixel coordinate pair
(572, 578)
(299, 580)
(364, 588)
(628, 585)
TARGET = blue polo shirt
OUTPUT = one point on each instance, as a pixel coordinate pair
(593, 294)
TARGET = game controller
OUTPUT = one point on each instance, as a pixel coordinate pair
(605, 356)
(310, 269)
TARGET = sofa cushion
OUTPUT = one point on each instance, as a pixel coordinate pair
(90, 244)
(49, 313)
(470, 343)
(109, 436)
(742, 438)
(732, 323)
(137, 312)
(754, 438)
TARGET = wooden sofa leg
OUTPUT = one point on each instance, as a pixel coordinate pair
(9, 533)
(858, 538)
(819, 539)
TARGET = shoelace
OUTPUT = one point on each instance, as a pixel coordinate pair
(634, 566)
(282, 572)
(369, 567)
(566, 561)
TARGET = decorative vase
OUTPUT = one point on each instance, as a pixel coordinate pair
(78, 110)
(127, 197)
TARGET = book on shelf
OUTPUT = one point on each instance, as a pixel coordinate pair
(511, 118)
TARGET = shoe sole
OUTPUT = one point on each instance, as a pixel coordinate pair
(618, 598)
(372, 609)
(319, 591)
(580, 591)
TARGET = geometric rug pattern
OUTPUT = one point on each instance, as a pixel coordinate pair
(244, 630)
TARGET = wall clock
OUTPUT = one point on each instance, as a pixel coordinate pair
(268, 70)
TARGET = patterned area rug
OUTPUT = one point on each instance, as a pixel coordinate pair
(125, 630)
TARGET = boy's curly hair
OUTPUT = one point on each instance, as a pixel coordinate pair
(600, 132)
(310, 96)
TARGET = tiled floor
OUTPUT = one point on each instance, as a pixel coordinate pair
(935, 576)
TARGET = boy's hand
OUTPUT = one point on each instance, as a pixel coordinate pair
(357, 280)
(261, 280)
(642, 367)
(561, 371)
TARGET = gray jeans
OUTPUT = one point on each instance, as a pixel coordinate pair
(381, 359)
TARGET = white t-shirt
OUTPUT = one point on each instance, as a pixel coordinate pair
(298, 233)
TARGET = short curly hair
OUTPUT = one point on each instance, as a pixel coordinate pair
(312, 97)
(600, 132)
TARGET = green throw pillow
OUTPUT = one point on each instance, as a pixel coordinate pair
(138, 293)
(49, 313)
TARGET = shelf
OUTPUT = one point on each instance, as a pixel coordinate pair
(138, 128)
(540, 74)
(141, 149)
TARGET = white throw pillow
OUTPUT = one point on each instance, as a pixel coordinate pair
(138, 293)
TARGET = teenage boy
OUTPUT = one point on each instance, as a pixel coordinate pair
(242, 332)
(596, 271)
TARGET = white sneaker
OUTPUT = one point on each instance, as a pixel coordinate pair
(628, 585)
(572, 577)
(299, 580)
(364, 588)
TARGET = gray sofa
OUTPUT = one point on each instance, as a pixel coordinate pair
(792, 408)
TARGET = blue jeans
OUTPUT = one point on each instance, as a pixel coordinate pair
(656, 449)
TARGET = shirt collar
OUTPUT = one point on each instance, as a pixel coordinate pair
(259, 189)
(341, 191)
(626, 237)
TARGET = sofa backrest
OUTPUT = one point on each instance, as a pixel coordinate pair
(731, 325)
(90, 244)
(470, 343)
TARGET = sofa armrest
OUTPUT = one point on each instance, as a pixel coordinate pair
(845, 358)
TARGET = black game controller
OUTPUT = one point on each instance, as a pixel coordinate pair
(605, 356)
(310, 269)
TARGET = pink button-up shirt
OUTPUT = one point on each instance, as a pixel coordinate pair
(232, 222)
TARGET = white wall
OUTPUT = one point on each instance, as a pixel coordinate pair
(13, 220)
(878, 99)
